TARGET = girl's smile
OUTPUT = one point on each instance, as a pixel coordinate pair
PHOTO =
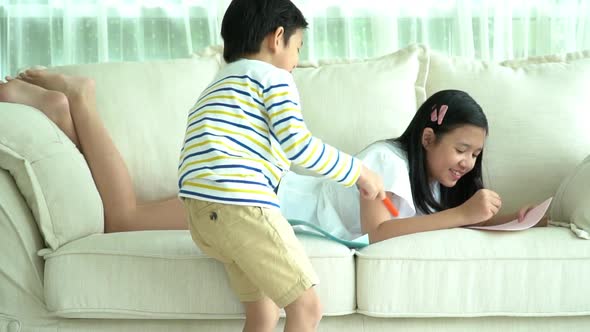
(454, 154)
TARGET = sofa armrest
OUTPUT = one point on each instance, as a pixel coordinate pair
(51, 174)
(21, 268)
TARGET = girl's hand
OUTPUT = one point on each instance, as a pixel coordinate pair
(482, 206)
(525, 209)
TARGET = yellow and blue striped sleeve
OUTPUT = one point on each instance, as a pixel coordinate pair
(299, 145)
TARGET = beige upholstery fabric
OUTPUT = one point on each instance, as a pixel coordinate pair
(571, 207)
(351, 323)
(471, 273)
(162, 274)
(51, 174)
(21, 269)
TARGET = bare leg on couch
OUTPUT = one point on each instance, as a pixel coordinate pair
(122, 210)
(53, 104)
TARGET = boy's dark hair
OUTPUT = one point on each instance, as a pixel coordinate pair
(247, 22)
(462, 110)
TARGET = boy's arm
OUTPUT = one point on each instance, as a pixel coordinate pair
(299, 145)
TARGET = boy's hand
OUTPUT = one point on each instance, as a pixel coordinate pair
(370, 185)
(482, 206)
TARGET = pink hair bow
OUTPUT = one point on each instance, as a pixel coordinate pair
(438, 115)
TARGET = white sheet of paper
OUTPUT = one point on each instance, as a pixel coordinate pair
(530, 219)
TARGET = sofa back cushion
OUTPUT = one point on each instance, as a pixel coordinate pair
(537, 115)
(51, 174)
(352, 104)
(571, 207)
(144, 106)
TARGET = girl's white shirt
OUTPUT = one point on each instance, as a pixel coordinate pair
(335, 208)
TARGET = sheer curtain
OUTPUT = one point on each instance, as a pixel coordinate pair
(57, 32)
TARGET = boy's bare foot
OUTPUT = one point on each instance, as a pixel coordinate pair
(53, 104)
(71, 86)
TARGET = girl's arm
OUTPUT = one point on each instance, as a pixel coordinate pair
(377, 223)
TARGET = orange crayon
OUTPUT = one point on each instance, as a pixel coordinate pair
(390, 207)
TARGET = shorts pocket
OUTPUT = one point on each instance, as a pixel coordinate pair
(197, 207)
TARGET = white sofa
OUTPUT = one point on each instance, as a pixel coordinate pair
(60, 272)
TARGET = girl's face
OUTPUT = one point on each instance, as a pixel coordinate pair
(453, 155)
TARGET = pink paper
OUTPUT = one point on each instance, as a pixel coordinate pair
(530, 219)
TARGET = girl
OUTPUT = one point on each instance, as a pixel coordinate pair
(432, 173)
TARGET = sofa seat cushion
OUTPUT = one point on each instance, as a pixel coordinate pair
(162, 274)
(469, 273)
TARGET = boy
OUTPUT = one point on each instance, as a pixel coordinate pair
(241, 137)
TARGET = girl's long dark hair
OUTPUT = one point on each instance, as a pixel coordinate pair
(462, 110)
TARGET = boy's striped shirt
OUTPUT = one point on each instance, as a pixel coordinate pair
(242, 135)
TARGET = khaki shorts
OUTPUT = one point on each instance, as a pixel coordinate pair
(258, 247)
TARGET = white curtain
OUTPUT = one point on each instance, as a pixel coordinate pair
(57, 32)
